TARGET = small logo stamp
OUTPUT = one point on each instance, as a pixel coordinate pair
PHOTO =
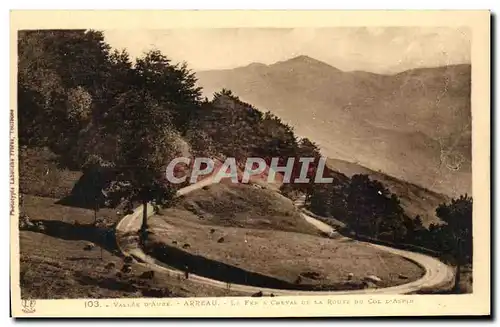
(28, 306)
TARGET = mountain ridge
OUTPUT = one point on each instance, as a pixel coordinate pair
(305, 58)
(403, 124)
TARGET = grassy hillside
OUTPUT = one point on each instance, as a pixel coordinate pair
(246, 206)
(272, 257)
(54, 263)
(414, 125)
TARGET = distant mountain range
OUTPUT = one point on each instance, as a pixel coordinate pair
(415, 125)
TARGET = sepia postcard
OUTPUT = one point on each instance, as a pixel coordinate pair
(250, 163)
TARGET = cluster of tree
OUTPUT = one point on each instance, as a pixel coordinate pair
(234, 128)
(365, 205)
(98, 111)
(121, 121)
(371, 210)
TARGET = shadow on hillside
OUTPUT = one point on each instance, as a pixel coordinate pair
(87, 193)
(217, 270)
(103, 237)
(76, 202)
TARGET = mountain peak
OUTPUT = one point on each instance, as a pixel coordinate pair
(304, 58)
(306, 61)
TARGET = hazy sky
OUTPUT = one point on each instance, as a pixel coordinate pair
(377, 49)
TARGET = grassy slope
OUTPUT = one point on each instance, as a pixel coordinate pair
(279, 246)
(238, 205)
(56, 265)
(415, 199)
(284, 255)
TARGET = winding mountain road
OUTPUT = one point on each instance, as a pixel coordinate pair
(437, 274)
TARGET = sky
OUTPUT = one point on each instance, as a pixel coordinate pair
(383, 50)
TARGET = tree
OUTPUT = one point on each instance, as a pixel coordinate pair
(374, 210)
(358, 203)
(392, 217)
(61, 74)
(308, 149)
(173, 86)
(321, 199)
(79, 104)
(147, 141)
(458, 230)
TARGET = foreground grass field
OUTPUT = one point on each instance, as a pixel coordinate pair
(275, 253)
(55, 264)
